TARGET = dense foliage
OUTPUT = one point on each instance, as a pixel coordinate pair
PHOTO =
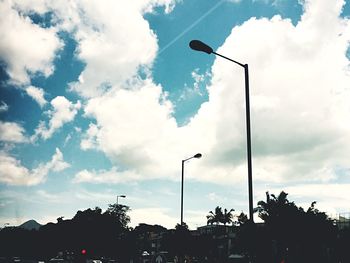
(289, 233)
(91, 230)
(219, 216)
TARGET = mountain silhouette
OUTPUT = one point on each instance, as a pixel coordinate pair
(30, 225)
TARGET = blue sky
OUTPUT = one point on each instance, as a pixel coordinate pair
(105, 98)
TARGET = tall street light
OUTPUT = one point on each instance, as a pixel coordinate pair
(122, 196)
(198, 155)
(200, 46)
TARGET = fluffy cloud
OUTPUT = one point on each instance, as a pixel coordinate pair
(135, 129)
(152, 216)
(149, 5)
(105, 176)
(63, 111)
(25, 48)
(14, 173)
(299, 109)
(124, 42)
(299, 103)
(89, 139)
(12, 132)
(164, 217)
(3, 106)
(37, 94)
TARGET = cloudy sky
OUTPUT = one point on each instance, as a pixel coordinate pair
(105, 98)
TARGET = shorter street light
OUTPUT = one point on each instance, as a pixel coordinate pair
(198, 155)
(122, 196)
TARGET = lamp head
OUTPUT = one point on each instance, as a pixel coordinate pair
(200, 46)
(198, 155)
(123, 196)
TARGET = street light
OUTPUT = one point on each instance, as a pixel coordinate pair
(122, 196)
(198, 155)
(200, 46)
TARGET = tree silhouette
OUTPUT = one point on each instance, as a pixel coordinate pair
(219, 216)
(119, 213)
(215, 217)
(227, 216)
(181, 226)
(91, 230)
(289, 233)
(242, 218)
(296, 235)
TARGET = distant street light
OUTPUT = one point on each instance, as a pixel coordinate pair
(122, 196)
(200, 46)
(198, 155)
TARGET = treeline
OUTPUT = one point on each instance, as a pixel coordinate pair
(292, 234)
(93, 233)
(289, 234)
(96, 232)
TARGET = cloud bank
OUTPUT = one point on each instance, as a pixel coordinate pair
(299, 90)
(14, 173)
(299, 78)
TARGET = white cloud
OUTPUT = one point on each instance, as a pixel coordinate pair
(148, 6)
(25, 47)
(105, 176)
(3, 106)
(57, 163)
(12, 132)
(200, 81)
(135, 129)
(105, 197)
(299, 115)
(214, 197)
(89, 139)
(63, 112)
(153, 216)
(299, 98)
(165, 218)
(124, 40)
(37, 94)
(48, 197)
(14, 173)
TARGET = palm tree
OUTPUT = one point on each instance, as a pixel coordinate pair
(215, 217)
(273, 205)
(227, 217)
(242, 218)
(218, 216)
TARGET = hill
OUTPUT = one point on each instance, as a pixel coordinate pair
(30, 224)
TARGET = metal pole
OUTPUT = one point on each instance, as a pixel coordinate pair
(249, 146)
(182, 190)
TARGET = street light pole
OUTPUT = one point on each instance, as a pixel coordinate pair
(198, 155)
(122, 196)
(200, 46)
